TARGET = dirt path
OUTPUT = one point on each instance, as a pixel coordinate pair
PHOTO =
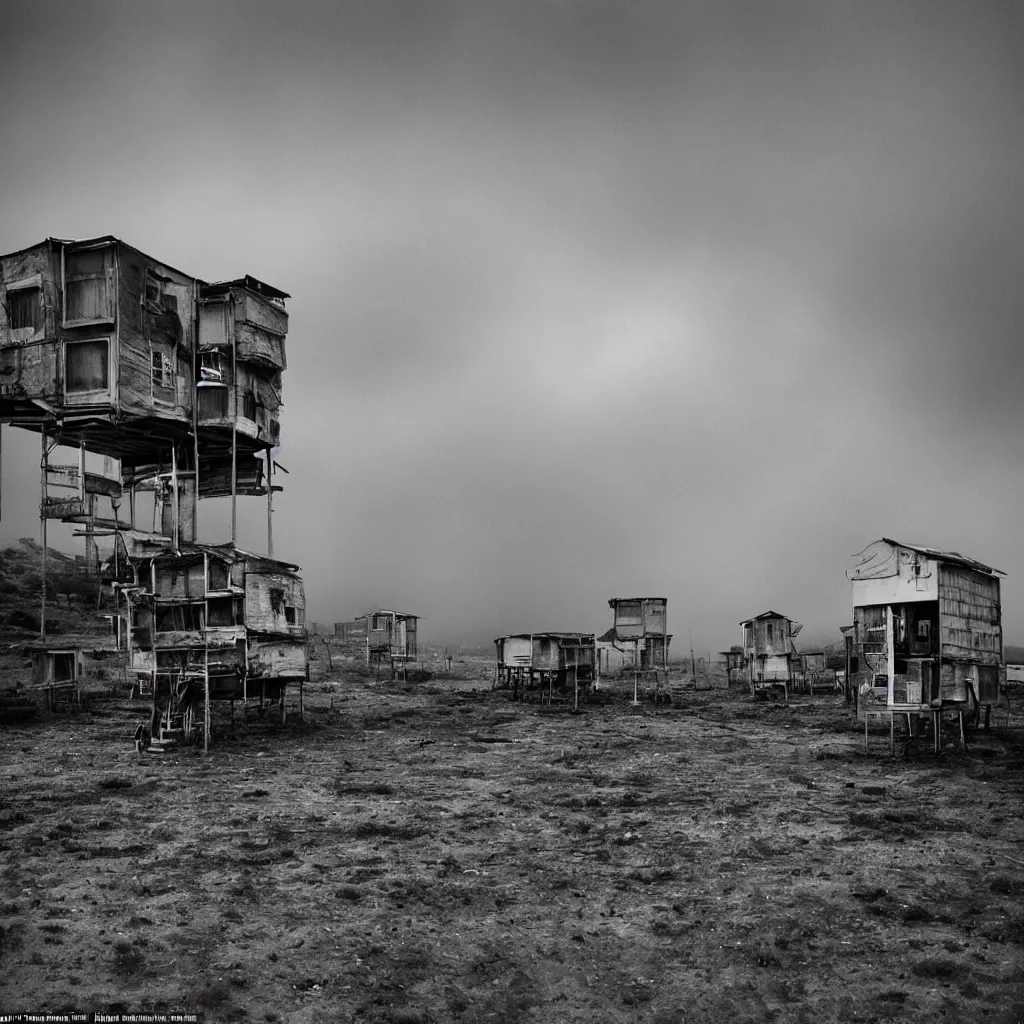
(434, 853)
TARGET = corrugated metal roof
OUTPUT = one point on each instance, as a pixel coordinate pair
(766, 615)
(248, 281)
(953, 557)
(550, 635)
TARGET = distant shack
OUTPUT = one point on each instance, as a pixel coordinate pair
(379, 639)
(769, 652)
(639, 639)
(548, 665)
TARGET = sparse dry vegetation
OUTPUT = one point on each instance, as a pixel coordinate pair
(433, 852)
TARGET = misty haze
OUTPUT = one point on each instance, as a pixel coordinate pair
(635, 616)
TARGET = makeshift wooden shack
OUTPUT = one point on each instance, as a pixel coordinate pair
(61, 666)
(119, 354)
(769, 652)
(640, 626)
(215, 623)
(733, 660)
(927, 633)
(391, 640)
(814, 672)
(546, 664)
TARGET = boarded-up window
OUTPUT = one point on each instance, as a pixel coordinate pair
(89, 286)
(24, 309)
(213, 403)
(87, 366)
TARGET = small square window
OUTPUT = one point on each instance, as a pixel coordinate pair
(24, 309)
(87, 366)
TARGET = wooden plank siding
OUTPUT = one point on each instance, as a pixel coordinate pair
(969, 616)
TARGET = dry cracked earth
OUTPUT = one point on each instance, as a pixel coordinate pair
(432, 852)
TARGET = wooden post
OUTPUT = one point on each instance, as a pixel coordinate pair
(42, 529)
(234, 437)
(270, 501)
(206, 697)
(848, 687)
(174, 497)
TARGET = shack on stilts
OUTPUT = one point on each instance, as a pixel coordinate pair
(549, 667)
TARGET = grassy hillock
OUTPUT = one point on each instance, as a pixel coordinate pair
(74, 600)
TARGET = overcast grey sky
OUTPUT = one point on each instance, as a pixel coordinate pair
(588, 299)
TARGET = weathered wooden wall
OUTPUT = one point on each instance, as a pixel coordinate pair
(280, 659)
(263, 613)
(970, 616)
(183, 581)
(28, 358)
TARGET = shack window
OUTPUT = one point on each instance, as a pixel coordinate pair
(64, 667)
(163, 373)
(289, 615)
(218, 575)
(88, 286)
(380, 622)
(924, 629)
(768, 632)
(24, 308)
(179, 617)
(87, 366)
(223, 611)
(249, 405)
(213, 402)
(210, 366)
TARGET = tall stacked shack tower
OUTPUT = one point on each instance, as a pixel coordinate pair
(177, 383)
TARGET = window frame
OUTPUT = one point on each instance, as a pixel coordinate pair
(92, 396)
(109, 275)
(18, 288)
(218, 414)
(213, 374)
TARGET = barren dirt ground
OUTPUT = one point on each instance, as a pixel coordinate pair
(431, 852)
